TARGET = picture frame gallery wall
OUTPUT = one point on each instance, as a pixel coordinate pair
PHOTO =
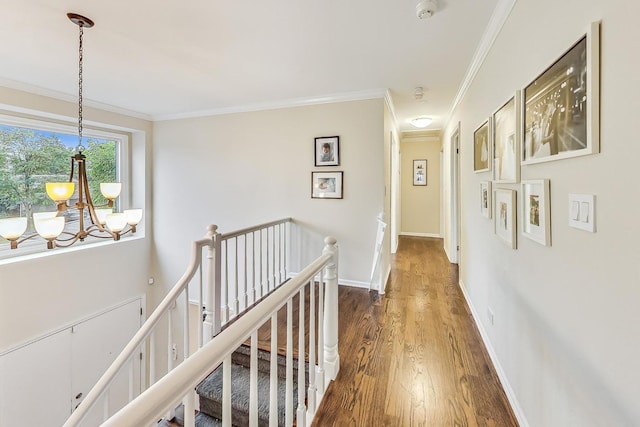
(553, 117)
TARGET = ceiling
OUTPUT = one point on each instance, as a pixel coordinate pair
(166, 59)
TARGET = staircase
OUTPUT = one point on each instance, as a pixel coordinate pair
(241, 277)
(210, 391)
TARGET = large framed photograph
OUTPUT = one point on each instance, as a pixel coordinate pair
(506, 141)
(485, 199)
(562, 105)
(419, 172)
(536, 214)
(326, 185)
(504, 216)
(481, 147)
(327, 149)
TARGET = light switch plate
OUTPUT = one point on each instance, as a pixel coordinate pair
(582, 209)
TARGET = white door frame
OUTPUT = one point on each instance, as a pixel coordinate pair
(395, 192)
(454, 219)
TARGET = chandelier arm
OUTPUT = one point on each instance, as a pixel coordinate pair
(73, 237)
(111, 234)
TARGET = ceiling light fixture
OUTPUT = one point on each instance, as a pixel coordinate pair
(426, 8)
(103, 222)
(421, 122)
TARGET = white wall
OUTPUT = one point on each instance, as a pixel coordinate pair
(239, 170)
(47, 292)
(566, 325)
(421, 204)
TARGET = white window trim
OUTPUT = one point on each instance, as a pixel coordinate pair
(123, 175)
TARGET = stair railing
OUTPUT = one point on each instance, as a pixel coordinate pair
(180, 382)
(238, 268)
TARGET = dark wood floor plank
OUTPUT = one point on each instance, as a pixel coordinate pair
(413, 356)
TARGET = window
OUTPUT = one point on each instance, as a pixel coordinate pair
(35, 152)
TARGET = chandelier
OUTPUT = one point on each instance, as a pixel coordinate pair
(102, 221)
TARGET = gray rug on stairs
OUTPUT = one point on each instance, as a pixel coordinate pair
(210, 390)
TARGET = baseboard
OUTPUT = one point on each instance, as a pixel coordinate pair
(406, 233)
(511, 396)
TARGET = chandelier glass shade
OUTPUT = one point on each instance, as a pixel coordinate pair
(98, 221)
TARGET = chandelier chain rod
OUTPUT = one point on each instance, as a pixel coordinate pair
(80, 147)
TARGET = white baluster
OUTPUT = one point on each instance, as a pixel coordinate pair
(320, 377)
(253, 382)
(256, 293)
(273, 259)
(152, 358)
(131, 381)
(289, 374)
(189, 409)
(246, 280)
(105, 407)
(273, 374)
(302, 410)
(201, 307)
(225, 289)
(215, 303)
(226, 392)
(312, 348)
(185, 326)
(284, 250)
(170, 341)
(332, 358)
(236, 304)
(262, 265)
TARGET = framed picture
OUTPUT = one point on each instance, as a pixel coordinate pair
(481, 147)
(327, 149)
(562, 105)
(506, 141)
(536, 214)
(504, 216)
(419, 172)
(326, 185)
(485, 199)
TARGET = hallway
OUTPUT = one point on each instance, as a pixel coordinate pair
(413, 357)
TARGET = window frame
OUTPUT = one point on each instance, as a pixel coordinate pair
(123, 174)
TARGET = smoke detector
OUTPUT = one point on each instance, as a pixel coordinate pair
(426, 8)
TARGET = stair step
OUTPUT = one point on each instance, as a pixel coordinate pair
(204, 420)
(210, 391)
(242, 356)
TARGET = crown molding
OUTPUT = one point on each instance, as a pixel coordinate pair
(497, 21)
(286, 103)
(61, 96)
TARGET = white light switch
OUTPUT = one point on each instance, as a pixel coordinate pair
(582, 208)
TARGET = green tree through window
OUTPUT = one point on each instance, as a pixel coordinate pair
(30, 157)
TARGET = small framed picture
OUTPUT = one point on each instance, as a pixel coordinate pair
(506, 141)
(419, 172)
(327, 149)
(535, 211)
(481, 148)
(326, 185)
(504, 216)
(485, 199)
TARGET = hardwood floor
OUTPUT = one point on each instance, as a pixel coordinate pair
(413, 356)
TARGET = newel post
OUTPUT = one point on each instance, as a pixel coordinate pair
(331, 356)
(212, 308)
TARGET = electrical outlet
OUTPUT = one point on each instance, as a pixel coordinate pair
(490, 315)
(151, 280)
